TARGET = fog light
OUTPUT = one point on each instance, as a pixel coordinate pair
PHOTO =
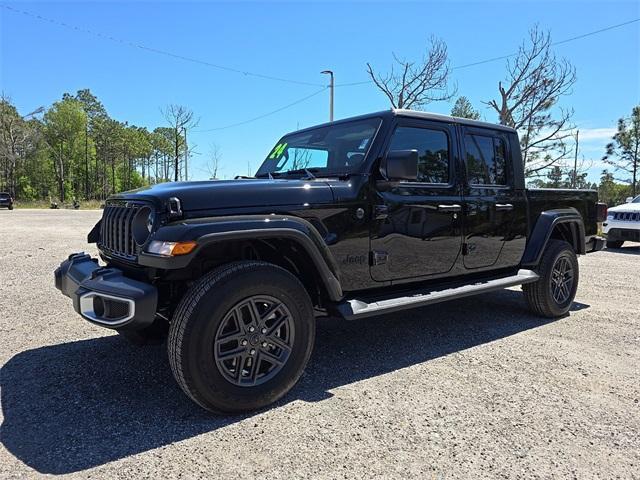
(170, 249)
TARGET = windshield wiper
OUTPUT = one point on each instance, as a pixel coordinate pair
(310, 175)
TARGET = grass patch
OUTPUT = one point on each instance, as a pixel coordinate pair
(85, 205)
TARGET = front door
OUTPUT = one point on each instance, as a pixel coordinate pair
(417, 229)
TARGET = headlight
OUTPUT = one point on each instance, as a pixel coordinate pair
(170, 249)
(142, 225)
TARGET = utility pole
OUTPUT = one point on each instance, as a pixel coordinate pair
(331, 85)
(575, 163)
(186, 156)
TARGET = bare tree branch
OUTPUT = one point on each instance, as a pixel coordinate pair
(213, 165)
(181, 120)
(417, 85)
(528, 100)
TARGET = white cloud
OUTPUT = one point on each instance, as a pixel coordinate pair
(595, 134)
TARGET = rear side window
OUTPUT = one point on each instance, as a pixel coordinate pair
(433, 151)
(486, 160)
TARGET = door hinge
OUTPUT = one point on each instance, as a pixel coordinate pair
(378, 257)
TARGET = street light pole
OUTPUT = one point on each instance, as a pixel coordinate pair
(330, 73)
(575, 163)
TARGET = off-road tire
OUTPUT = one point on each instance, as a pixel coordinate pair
(539, 295)
(198, 316)
(614, 244)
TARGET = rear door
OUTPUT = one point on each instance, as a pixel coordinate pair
(417, 229)
(494, 208)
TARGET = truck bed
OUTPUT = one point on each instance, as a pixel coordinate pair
(584, 201)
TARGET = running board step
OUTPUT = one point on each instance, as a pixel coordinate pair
(354, 308)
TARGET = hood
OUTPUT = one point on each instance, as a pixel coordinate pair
(241, 193)
(625, 207)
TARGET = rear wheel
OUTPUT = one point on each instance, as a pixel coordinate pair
(615, 244)
(552, 295)
(241, 337)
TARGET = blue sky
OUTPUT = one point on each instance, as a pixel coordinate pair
(39, 61)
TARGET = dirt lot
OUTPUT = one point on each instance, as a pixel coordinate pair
(476, 388)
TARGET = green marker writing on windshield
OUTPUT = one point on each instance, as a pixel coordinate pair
(278, 150)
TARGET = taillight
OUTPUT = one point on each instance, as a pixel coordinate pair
(601, 212)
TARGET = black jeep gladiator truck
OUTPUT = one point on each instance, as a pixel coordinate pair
(359, 217)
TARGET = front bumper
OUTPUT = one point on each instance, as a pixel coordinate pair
(104, 295)
(616, 233)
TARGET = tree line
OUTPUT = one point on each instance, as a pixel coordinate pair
(75, 150)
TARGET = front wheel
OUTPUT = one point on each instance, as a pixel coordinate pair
(241, 336)
(552, 295)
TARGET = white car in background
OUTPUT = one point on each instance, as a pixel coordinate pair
(623, 223)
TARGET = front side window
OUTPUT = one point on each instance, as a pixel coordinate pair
(486, 160)
(433, 151)
(334, 149)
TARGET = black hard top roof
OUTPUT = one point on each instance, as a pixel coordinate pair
(421, 115)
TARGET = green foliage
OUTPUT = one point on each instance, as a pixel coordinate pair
(623, 152)
(611, 192)
(557, 177)
(463, 109)
(25, 190)
(76, 150)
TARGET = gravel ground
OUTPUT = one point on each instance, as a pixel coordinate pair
(476, 388)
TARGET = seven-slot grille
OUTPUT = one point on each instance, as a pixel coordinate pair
(627, 216)
(116, 235)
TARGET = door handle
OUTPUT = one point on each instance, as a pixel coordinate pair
(450, 208)
(503, 207)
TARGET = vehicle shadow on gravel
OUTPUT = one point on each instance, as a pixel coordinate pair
(629, 250)
(82, 404)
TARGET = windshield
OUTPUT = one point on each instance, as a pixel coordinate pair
(334, 149)
(636, 200)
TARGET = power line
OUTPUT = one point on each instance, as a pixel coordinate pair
(156, 50)
(504, 57)
(269, 77)
(264, 115)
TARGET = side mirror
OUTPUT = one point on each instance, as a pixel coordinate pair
(401, 165)
(629, 200)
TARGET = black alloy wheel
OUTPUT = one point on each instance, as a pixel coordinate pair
(254, 340)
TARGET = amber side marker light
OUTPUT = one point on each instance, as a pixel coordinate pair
(183, 248)
(171, 249)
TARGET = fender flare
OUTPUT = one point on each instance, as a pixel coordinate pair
(208, 231)
(541, 233)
